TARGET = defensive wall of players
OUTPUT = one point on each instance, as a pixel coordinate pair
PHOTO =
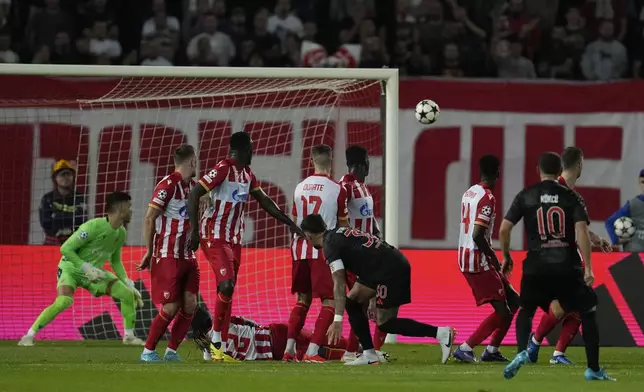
(131, 144)
(440, 294)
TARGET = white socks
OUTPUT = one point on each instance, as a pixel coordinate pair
(312, 350)
(129, 332)
(31, 332)
(535, 341)
(557, 353)
(465, 347)
(290, 346)
(492, 349)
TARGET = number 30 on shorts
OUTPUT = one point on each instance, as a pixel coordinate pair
(381, 291)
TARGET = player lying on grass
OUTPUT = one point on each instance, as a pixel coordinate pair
(572, 160)
(249, 341)
(555, 222)
(84, 254)
(382, 272)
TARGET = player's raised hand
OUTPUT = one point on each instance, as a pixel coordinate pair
(145, 262)
(194, 240)
(334, 333)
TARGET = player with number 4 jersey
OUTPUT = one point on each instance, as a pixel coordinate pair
(480, 266)
(317, 194)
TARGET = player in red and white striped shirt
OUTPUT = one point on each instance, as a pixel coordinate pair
(317, 194)
(222, 226)
(361, 216)
(480, 265)
(174, 269)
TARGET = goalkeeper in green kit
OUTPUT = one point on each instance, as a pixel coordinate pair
(84, 254)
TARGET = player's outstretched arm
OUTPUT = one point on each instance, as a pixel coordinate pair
(149, 230)
(273, 210)
(193, 213)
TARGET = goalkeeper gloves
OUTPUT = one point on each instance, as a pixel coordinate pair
(92, 273)
(137, 294)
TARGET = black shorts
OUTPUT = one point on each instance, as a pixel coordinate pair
(574, 295)
(393, 283)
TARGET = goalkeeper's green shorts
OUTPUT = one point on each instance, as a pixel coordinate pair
(78, 279)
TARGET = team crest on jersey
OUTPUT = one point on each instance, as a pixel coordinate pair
(162, 194)
(486, 210)
(83, 235)
(166, 295)
(223, 271)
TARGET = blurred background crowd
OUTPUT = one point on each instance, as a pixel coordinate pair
(563, 39)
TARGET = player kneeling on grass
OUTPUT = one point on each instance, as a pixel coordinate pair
(383, 272)
(249, 341)
(84, 254)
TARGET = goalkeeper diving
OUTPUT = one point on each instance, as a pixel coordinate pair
(81, 265)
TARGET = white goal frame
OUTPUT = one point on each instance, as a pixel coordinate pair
(387, 75)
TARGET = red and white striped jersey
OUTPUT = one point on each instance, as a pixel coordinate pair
(172, 226)
(247, 342)
(229, 185)
(359, 204)
(317, 194)
(477, 208)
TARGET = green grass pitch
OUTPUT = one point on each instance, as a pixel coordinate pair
(109, 366)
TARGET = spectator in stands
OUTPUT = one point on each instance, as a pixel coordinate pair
(222, 50)
(62, 51)
(605, 58)
(293, 56)
(45, 23)
(374, 54)
(638, 52)
(102, 44)
(193, 13)
(158, 51)
(451, 62)
(510, 62)
(246, 50)
(93, 10)
(310, 32)
(160, 22)
(349, 29)
(6, 54)
(577, 35)
(219, 9)
(597, 11)
(430, 27)
(5, 8)
(283, 21)
(267, 45)
(524, 26)
(62, 210)
(238, 25)
(556, 60)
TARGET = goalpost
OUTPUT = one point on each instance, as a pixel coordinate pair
(119, 126)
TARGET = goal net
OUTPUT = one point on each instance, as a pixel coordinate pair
(119, 134)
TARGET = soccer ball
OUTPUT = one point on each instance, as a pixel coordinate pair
(427, 112)
(624, 227)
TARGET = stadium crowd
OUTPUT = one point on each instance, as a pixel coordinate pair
(565, 39)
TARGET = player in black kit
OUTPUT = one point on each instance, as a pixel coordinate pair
(383, 272)
(556, 222)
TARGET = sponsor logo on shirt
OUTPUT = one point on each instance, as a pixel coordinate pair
(183, 212)
(238, 196)
(365, 210)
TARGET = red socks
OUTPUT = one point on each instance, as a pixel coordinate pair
(353, 344)
(179, 330)
(485, 329)
(501, 331)
(296, 320)
(221, 317)
(157, 329)
(569, 329)
(325, 318)
(379, 338)
(546, 325)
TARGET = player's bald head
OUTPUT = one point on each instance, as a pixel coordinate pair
(322, 156)
(550, 164)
